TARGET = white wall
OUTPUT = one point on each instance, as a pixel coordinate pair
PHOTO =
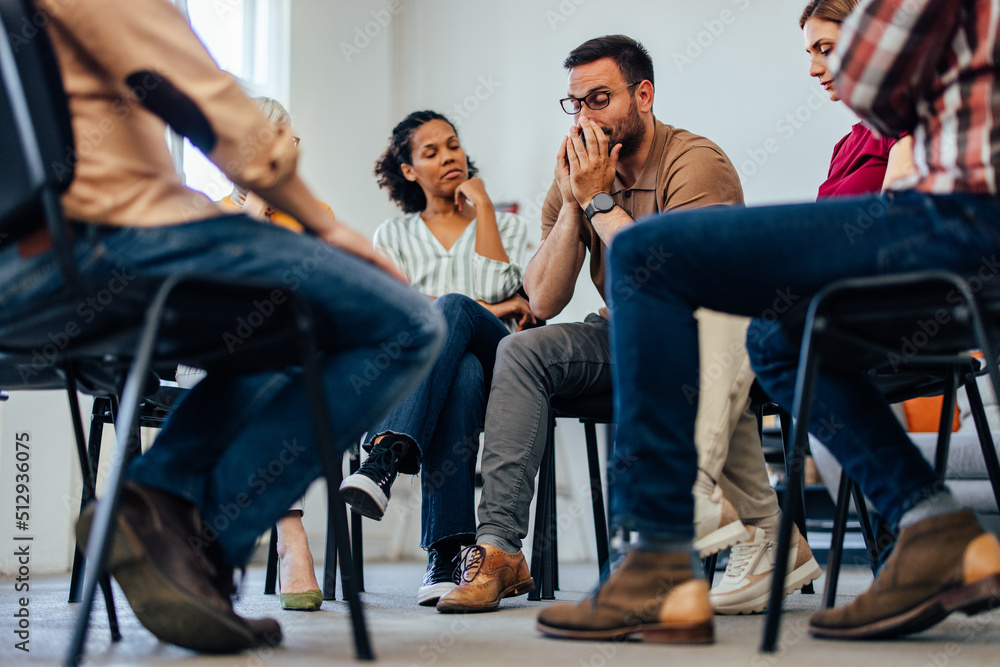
(735, 71)
(732, 70)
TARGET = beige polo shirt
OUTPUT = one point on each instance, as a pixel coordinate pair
(118, 57)
(683, 170)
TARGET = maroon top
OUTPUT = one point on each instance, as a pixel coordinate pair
(858, 164)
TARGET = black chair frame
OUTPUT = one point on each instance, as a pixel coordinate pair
(865, 317)
(330, 560)
(545, 546)
(146, 328)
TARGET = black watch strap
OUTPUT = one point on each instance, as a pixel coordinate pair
(601, 203)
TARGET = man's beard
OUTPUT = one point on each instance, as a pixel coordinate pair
(629, 133)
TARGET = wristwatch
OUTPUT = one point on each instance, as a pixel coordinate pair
(601, 203)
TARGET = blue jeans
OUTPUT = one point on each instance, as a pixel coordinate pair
(444, 416)
(242, 448)
(758, 262)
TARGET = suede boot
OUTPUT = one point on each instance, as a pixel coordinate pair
(178, 591)
(651, 593)
(942, 564)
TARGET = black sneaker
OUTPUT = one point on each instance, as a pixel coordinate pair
(442, 574)
(367, 490)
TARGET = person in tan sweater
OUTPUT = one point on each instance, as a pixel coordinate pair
(238, 450)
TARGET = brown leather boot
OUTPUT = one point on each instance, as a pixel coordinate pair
(178, 591)
(940, 565)
(489, 575)
(652, 593)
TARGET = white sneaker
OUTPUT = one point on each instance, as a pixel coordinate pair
(716, 523)
(746, 585)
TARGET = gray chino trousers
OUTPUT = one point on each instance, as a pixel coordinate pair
(574, 359)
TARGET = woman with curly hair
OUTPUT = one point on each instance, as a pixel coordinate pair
(456, 249)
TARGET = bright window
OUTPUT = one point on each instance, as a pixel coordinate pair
(249, 39)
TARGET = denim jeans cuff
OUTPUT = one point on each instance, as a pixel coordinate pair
(656, 529)
(915, 498)
(466, 539)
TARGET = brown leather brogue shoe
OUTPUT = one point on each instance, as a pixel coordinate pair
(940, 565)
(179, 592)
(488, 575)
(652, 593)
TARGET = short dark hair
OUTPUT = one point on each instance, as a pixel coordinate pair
(631, 57)
(408, 195)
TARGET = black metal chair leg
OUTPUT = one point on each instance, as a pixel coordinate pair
(799, 512)
(330, 562)
(804, 394)
(985, 438)
(837, 540)
(945, 424)
(88, 467)
(109, 602)
(357, 541)
(597, 500)
(540, 542)
(102, 529)
(552, 552)
(547, 496)
(332, 459)
(271, 572)
(710, 563)
(867, 529)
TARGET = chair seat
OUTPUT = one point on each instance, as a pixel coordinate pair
(598, 408)
(206, 323)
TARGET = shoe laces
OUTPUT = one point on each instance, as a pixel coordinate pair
(380, 466)
(470, 561)
(744, 556)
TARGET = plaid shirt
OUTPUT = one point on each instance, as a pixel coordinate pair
(929, 66)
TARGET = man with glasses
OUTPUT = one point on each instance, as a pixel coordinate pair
(617, 165)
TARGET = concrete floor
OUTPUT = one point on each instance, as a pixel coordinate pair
(406, 634)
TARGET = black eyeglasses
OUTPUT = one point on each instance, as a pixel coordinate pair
(594, 101)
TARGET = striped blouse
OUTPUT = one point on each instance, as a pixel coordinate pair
(435, 271)
(929, 66)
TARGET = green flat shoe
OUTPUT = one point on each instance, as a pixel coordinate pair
(307, 601)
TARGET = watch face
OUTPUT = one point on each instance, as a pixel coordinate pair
(603, 202)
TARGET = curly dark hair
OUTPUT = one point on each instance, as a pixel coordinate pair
(408, 195)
